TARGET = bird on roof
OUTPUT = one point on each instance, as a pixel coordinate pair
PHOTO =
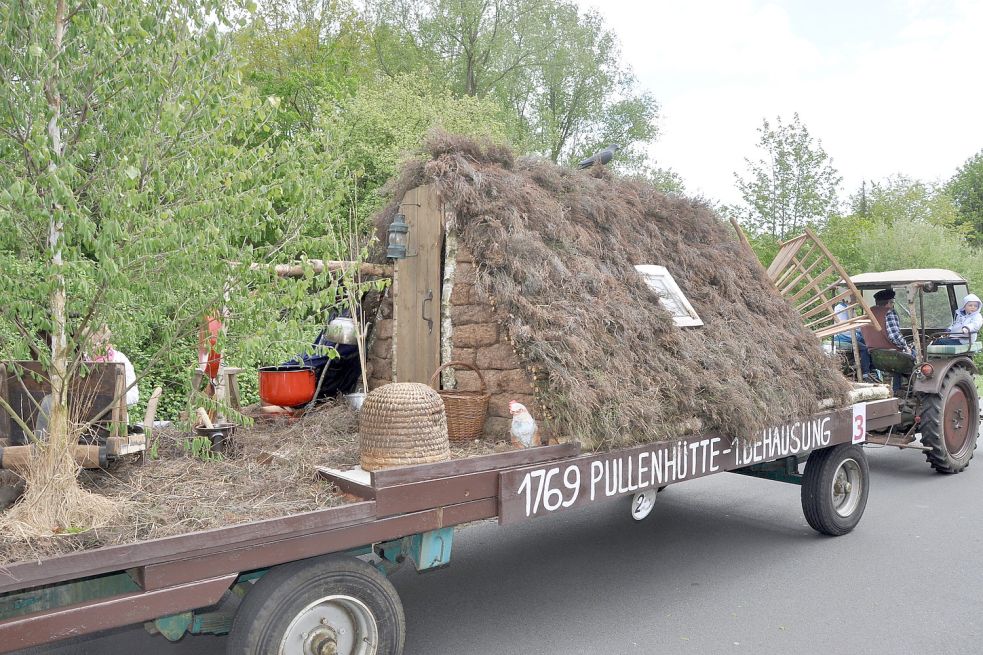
(601, 157)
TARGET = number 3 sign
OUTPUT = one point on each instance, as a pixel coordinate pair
(859, 423)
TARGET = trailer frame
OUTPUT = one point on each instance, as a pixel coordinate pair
(401, 514)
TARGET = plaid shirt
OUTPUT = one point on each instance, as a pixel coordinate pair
(893, 324)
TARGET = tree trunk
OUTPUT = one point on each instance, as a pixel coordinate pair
(58, 438)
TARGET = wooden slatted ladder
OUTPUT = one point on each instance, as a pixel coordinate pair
(807, 274)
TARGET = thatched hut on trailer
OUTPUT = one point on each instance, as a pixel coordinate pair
(617, 314)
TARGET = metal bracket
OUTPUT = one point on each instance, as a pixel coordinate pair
(432, 550)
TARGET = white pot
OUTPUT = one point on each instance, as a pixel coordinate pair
(355, 399)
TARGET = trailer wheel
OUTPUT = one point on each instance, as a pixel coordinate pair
(950, 422)
(834, 489)
(324, 606)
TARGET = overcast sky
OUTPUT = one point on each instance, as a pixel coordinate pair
(889, 86)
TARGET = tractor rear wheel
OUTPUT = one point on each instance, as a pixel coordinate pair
(950, 422)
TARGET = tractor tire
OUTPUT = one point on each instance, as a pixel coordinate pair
(835, 485)
(331, 604)
(950, 422)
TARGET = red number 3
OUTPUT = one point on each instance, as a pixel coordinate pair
(859, 423)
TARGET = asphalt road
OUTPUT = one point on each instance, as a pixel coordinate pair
(725, 564)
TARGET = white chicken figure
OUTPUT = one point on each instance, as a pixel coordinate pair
(525, 433)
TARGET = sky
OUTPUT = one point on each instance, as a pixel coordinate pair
(888, 86)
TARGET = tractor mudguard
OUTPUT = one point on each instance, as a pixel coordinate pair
(941, 366)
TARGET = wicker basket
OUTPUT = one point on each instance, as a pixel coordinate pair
(402, 424)
(466, 410)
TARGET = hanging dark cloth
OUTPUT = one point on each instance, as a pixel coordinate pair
(340, 374)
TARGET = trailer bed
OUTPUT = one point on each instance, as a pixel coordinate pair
(176, 574)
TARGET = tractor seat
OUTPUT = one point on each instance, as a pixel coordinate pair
(891, 361)
(954, 349)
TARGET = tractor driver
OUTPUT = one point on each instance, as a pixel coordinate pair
(890, 338)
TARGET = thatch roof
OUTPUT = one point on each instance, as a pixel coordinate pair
(556, 250)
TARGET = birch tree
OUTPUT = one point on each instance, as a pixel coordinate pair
(133, 168)
(791, 185)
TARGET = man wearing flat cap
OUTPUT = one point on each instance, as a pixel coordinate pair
(890, 337)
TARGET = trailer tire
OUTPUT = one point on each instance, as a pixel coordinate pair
(950, 422)
(834, 489)
(326, 604)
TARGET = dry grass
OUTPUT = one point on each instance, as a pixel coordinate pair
(556, 250)
(176, 493)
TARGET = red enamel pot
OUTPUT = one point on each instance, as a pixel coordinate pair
(287, 386)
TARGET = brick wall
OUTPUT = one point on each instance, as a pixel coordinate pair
(380, 345)
(479, 338)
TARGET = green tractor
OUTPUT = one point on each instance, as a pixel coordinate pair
(936, 388)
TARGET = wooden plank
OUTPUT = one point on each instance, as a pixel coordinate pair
(545, 489)
(829, 304)
(782, 260)
(841, 328)
(117, 558)
(804, 273)
(417, 289)
(271, 553)
(813, 285)
(346, 484)
(421, 472)
(747, 244)
(846, 279)
(417, 496)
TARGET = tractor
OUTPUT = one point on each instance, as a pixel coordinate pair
(936, 389)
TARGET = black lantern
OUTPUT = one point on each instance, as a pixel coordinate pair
(398, 230)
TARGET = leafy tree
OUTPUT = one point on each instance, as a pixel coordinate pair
(309, 53)
(792, 185)
(914, 243)
(557, 71)
(902, 197)
(133, 169)
(966, 190)
(579, 95)
(472, 45)
(376, 129)
(903, 223)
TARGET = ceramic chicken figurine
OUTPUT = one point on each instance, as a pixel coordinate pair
(525, 433)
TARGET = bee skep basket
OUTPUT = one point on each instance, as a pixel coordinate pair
(466, 410)
(401, 424)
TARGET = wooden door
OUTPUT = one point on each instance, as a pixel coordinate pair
(416, 291)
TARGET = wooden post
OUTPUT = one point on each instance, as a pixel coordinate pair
(915, 328)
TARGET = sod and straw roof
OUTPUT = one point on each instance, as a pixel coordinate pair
(556, 250)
